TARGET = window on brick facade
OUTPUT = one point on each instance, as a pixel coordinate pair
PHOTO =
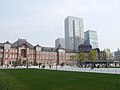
(13, 50)
(16, 56)
(1, 55)
(16, 50)
(1, 50)
(13, 56)
(6, 56)
(6, 50)
(10, 55)
(10, 50)
(23, 53)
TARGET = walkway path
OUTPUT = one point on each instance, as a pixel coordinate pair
(74, 68)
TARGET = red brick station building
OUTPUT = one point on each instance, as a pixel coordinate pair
(26, 52)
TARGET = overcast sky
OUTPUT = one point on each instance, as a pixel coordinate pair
(42, 21)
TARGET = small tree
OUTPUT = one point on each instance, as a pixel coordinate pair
(19, 62)
(82, 58)
(73, 58)
(35, 63)
(109, 55)
(92, 56)
(16, 63)
(104, 55)
(13, 63)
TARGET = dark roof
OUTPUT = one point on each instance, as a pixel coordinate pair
(60, 46)
(38, 45)
(20, 42)
(7, 42)
(87, 51)
(49, 49)
(85, 45)
(96, 49)
(71, 51)
(1, 45)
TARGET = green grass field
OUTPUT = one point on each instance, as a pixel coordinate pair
(35, 79)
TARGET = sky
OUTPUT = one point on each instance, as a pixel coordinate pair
(42, 21)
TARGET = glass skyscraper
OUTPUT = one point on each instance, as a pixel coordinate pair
(74, 32)
(90, 37)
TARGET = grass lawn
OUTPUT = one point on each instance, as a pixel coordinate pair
(35, 79)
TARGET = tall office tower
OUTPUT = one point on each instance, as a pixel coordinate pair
(60, 41)
(74, 32)
(90, 37)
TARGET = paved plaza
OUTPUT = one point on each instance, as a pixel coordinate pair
(71, 68)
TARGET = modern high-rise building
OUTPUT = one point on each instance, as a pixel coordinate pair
(74, 32)
(90, 37)
(60, 41)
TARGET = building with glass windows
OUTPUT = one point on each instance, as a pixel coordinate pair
(74, 32)
(90, 37)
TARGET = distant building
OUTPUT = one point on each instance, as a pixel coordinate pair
(74, 32)
(116, 57)
(91, 37)
(117, 54)
(60, 41)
